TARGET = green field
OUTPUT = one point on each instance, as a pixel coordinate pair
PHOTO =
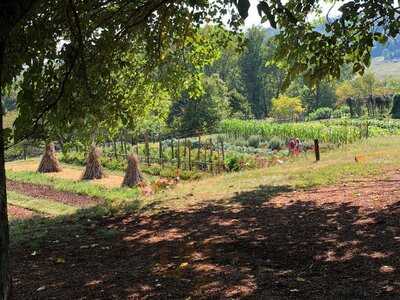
(385, 69)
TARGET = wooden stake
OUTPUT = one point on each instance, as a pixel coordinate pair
(184, 154)
(316, 149)
(147, 148)
(172, 149)
(205, 157)
(115, 149)
(178, 155)
(190, 156)
(211, 156)
(199, 149)
(223, 154)
(160, 149)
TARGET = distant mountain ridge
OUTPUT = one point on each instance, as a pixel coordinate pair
(389, 51)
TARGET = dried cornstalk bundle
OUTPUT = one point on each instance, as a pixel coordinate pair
(133, 176)
(93, 169)
(49, 162)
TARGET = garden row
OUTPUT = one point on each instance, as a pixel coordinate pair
(341, 131)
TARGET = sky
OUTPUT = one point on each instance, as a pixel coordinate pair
(254, 18)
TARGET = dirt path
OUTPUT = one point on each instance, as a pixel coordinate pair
(340, 242)
(70, 173)
(42, 191)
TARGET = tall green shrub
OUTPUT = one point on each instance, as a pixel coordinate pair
(321, 114)
(396, 107)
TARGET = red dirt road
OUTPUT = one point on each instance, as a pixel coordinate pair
(340, 242)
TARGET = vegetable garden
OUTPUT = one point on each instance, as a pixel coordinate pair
(337, 131)
(237, 145)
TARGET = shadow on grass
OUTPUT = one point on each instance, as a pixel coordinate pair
(244, 248)
(261, 195)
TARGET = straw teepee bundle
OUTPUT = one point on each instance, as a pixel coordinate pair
(133, 176)
(49, 162)
(93, 168)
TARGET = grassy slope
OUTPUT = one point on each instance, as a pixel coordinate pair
(378, 155)
(385, 69)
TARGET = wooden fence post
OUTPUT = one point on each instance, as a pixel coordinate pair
(190, 155)
(211, 156)
(223, 154)
(115, 149)
(316, 149)
(126, 144)
(160, 149)
(199, 149)
(205, 157)
(147, 148)
(184, 154)
(172, 149)
(178, 155)
(25, 151)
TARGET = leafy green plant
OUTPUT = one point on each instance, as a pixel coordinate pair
(396, 107)
(254, 141)
(341, 112)
(276, 144)
(233, 163)
(321, 114)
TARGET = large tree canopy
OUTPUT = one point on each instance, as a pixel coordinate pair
(345, 39)
(69, 53)
(63, 46)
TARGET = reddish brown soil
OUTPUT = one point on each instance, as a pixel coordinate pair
(19, 213)
(340, 242)
(43, 191)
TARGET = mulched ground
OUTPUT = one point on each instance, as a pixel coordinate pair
(19, 213)
(43, 191)
(340, 242)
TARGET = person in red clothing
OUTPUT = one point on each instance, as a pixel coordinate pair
(292, 146)
(295, 147)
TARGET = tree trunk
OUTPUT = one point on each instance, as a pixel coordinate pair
(5, 282)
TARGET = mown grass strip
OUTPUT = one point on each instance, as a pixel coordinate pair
(79, 187)
(42, 206)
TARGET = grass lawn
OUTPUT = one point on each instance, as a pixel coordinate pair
(376, 156)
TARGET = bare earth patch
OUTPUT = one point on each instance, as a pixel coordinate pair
(75, 174)
(43, 191)
(19, 213)
(340, 242)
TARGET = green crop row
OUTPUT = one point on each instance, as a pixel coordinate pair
(339, 132)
